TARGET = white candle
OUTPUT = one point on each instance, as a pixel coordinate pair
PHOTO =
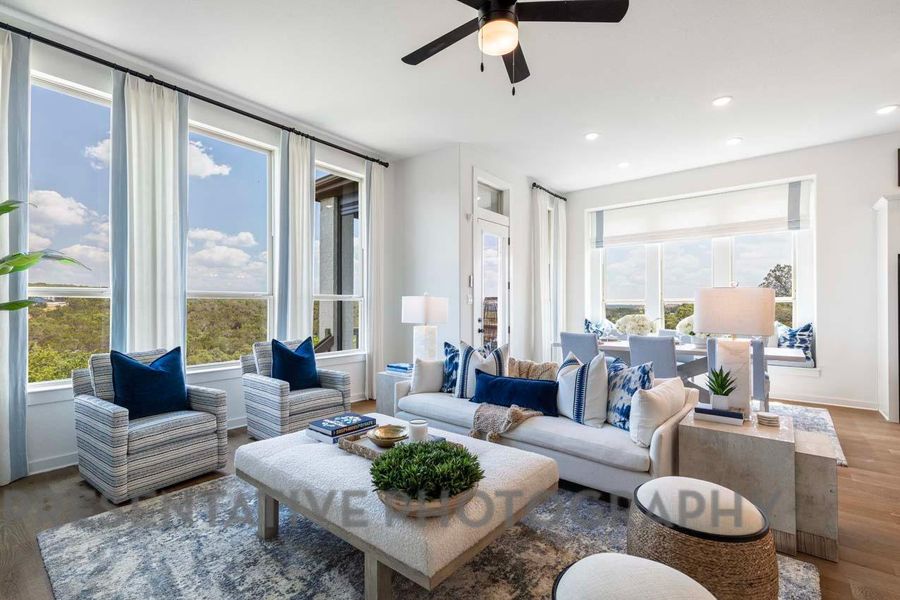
(418, 430)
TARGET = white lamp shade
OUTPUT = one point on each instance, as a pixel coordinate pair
(425, 310)
(735, 311)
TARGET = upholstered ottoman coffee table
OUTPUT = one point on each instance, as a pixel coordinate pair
(708, 532)
(611, 576)
(334, 489)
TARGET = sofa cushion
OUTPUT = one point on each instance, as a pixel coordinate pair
(262, 354)
(427, 377)
(297, 365)
(451, 367)
(624, 381)
(158, 430)
(472, 360)
(147, 390)
(583, 390)
(607, 444)
(651, 408)
(535, 394)
(313, 399)
(440, 407)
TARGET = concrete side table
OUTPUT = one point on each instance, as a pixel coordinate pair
(384, 390)
(817, 496)
(755, 461)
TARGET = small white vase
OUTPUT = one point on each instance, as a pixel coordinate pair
(719, 402)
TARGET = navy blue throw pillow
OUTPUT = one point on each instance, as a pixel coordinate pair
(297, 367)
(147, 390)
(536, 394)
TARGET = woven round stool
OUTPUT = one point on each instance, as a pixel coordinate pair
(709, 533)
(612, 576)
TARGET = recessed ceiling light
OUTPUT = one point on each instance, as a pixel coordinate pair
(722, 101)
(591, 136)
(735, 141)
(886, 110)
(624, 165)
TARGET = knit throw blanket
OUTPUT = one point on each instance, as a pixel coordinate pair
(492, 420)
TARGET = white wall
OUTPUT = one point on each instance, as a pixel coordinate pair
(431, 236)
(850, 177)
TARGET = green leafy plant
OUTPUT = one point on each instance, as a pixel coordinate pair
(20, 261)
(426, 470)
(720, 382)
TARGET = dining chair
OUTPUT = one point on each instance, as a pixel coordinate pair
(659, 350)
(582, 345)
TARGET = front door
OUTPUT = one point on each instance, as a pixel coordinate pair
(491, 285)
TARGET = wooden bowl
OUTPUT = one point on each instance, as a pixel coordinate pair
(430, 508)
(385, 436)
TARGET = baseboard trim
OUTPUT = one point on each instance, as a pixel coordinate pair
(237, 422)
(824, 401)
(52, 463)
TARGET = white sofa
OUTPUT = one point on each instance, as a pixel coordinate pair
(601, 458)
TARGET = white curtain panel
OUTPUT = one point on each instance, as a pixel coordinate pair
(542, 320)
(156, 215)
(558, 268)
(14, 123)
(301, 182)
(374, 203)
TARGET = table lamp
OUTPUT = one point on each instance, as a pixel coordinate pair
(735, 311)
(424, 312)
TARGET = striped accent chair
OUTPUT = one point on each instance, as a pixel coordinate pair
(125, 458)
(273, 409)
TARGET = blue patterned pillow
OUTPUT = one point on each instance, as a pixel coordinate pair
(604, 328)
(624, 381)
(800, 338)
(451, 367)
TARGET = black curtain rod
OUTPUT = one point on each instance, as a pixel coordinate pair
(150, 78)
(551, 192)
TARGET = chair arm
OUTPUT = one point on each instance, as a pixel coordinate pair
(209, 400)
(101, 436)
(336, 380)
(103, 415)
(260, 384)
(664, 443)
(401, 389)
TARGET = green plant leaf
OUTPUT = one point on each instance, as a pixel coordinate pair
(9, 205)
(16, 305)
(426, 470)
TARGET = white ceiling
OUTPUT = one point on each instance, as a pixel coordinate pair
(803, 72)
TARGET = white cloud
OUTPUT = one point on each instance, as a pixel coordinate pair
(99, 153)
(201, 164)
(37, 242)
(213, 237)
(249, 277)
(220, 256)
(51, 209)
(99, 235)
(92, 256)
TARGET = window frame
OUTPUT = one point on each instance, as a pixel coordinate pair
(360, 179)
(87, 94)
(605, 299)
(229, 137)
(792, 299)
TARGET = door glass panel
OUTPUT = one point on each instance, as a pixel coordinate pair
(489, 198)
(490, 286)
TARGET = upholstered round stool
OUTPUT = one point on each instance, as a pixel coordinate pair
(708, 532)
(621, 577)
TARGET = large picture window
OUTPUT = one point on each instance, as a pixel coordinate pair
(686, 266)
(626, 280)
(69, 196)
(338, 271)
(229, 301)
(767, 260)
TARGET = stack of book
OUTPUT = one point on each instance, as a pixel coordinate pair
(332, 429)
(402, 368)
(707, 413)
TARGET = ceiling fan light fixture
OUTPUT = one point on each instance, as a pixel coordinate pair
(498, 37)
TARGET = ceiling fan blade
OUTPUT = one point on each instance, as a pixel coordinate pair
(443, 42)
(584, 11)
(476, 4)
(518, 69)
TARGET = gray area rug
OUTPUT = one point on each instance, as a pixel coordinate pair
(201, 543)
(807, 418)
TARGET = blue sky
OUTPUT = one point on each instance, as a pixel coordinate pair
(228, 190)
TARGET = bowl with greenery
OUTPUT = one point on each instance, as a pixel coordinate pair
(426, 479)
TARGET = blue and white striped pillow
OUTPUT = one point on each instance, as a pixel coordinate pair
(624, 381)
(583, 390)
(471, 360)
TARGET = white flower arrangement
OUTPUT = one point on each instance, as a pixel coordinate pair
(636, 325)
(686, 327)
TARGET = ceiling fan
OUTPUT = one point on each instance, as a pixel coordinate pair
(497, 25)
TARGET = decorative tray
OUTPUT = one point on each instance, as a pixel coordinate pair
(360, 445)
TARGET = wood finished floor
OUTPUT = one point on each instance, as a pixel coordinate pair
(869, 495)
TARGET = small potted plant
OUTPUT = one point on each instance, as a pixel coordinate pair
(721, 384)
(426, 479)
